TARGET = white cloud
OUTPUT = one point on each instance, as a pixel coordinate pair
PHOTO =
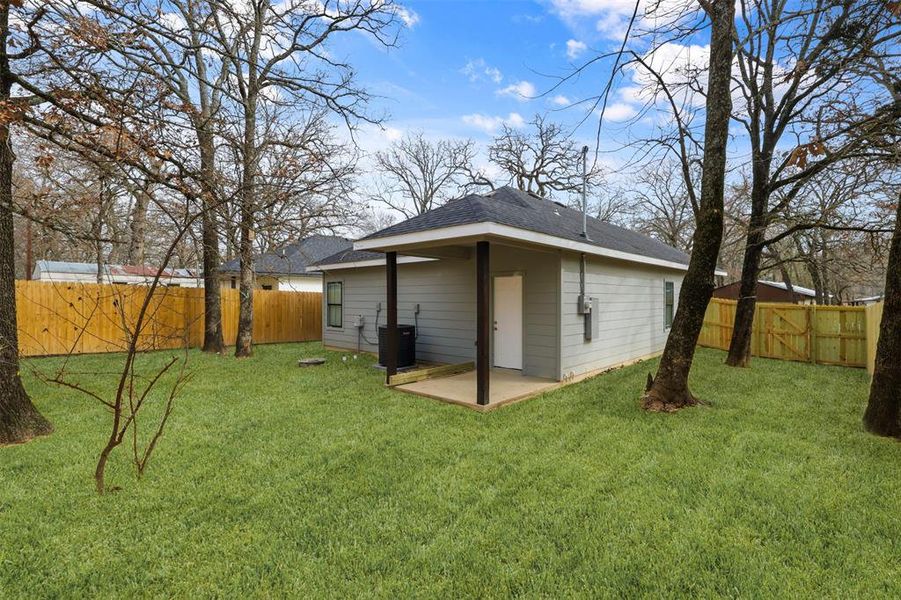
(611, 17)
(560, 100)
(521, 90)
(392, 134)
(478, 69)
(490, 124)
(533, 19)
(173, 22)
(677, 65)
(619, 111)
(515, 120)
(683, 69)
(575, 48)
(494, 74)
(408, 16)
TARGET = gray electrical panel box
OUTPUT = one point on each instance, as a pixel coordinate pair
(583, 305)
(592, 319)
(359, 321)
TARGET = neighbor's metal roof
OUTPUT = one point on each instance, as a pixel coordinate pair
(81, 268)
(796, 288)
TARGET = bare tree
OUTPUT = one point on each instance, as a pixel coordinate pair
(668, 390)
(798, 78)
(69, 92)
(19, 419)
(136, 388)
(662, 205)
(610, 204)
(279, 58)
(417, 174)
(834, 229)
(306, 183)
(543, 159)
(177, 50)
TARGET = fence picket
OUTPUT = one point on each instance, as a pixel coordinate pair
(833, 335)
(64, 317)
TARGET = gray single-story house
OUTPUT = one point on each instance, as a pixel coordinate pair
(285, 268)
(511, 274)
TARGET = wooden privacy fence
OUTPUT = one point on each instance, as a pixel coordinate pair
(828, 335)
(61, 318)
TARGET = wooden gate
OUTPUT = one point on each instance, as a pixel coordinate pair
(831, 335)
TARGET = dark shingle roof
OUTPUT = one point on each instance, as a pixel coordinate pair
(350, 255)
(515, 208)
(294, 258)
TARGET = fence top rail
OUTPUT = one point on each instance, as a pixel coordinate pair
(136, 287)
(792, 306)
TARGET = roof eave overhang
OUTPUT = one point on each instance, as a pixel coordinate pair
(360, 264)
(408, 242)
(304, 273)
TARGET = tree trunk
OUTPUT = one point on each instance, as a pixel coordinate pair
(212, 297)
(244, 341)
(787, 280)
(883, 414)
(243, 344)
(19, 419)
(248, 198)
(740, 344)
(138, 226)
(203, 126)
(669, 389)
(814, 272)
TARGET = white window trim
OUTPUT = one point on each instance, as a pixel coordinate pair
(325, 297)
(670, 326)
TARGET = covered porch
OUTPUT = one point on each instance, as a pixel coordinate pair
(514, 322)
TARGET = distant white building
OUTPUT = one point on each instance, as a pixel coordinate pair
(63, 271)
(865, 300)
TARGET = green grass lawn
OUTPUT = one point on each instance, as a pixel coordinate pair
(273, 480)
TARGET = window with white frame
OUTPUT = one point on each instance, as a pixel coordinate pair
(669, 303)
(334, 301)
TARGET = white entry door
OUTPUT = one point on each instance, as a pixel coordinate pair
(508, 322)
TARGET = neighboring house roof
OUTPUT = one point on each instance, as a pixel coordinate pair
(868, 299)
(795, 288)
(79, 268)
(350, 255)
(293, 259)
(512, 208)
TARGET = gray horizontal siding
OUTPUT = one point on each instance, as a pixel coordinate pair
(445, 292)
(631, 313)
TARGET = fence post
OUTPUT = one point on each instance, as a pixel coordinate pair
(812, 344)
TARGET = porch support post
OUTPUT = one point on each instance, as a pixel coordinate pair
(391, 284)
(483, 323)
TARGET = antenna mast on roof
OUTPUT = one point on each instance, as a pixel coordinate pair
(585, 192)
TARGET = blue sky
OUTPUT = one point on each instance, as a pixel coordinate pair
(464, 67)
